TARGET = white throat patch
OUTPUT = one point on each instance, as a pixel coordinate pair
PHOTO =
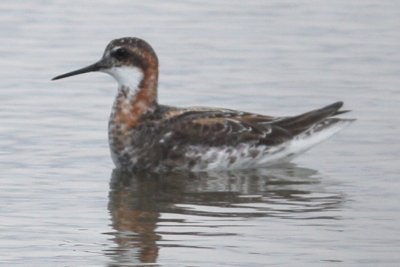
(126, 76)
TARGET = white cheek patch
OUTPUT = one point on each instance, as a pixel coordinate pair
(125, 76)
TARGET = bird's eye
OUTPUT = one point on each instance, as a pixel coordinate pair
(121, 53)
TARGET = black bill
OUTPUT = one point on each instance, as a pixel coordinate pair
(94, 67)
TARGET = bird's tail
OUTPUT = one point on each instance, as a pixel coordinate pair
(315, 119)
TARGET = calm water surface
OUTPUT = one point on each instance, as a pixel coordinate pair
(62, 204)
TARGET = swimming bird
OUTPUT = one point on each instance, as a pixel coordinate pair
(145, 135)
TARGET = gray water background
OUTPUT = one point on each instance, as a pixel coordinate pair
(61, 203)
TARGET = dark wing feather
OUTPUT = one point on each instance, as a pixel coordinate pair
(219, 127)
(298, 124)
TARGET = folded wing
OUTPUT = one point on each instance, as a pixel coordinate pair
(224, 127)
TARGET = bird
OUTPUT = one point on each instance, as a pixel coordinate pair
(147, 136)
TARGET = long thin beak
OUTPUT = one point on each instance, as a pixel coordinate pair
(94, 67)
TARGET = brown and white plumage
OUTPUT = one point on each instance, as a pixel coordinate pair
(146, 135)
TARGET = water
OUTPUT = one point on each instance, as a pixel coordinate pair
(62, 204)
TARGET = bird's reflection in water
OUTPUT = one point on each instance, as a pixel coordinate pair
(137, 201)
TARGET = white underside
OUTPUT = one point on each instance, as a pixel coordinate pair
(243, 155)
